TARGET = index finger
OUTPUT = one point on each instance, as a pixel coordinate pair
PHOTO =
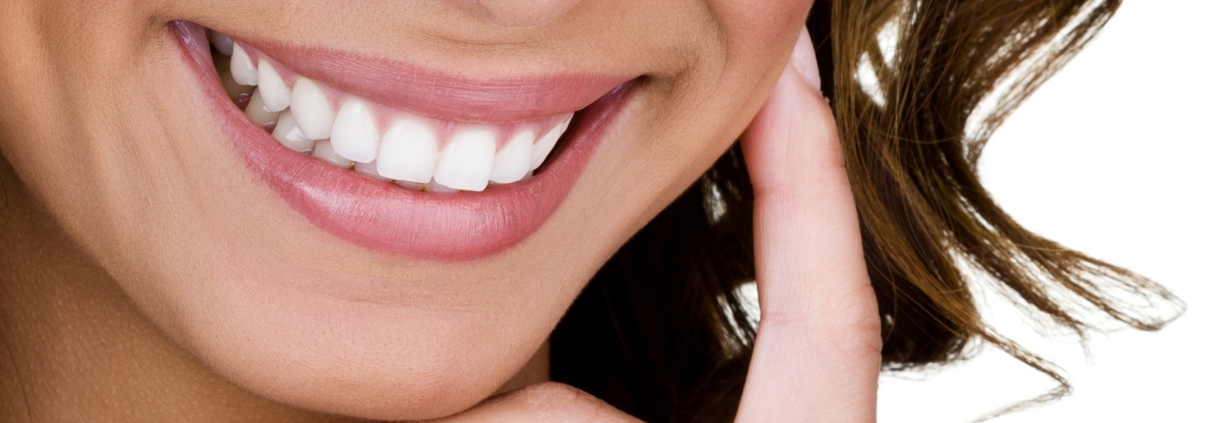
(817, 352)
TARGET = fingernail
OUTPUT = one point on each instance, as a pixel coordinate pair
(803, 59)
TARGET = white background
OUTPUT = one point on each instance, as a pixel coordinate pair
(1110, 158)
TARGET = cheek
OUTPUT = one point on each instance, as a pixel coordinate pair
(67, 69)
(737, 67)
(765, 17)
(760, 34)
(704, 108)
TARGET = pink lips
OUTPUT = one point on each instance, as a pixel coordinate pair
(387, 218)
(444, 96)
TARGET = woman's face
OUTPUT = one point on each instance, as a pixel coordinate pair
(325, 289)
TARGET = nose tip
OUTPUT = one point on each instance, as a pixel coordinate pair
(520, 13)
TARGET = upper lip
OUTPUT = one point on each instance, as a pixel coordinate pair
(500, 98)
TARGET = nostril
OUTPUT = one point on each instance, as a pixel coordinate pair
(519, 13)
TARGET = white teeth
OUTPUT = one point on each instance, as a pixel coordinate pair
(369, 169)
(347, 134)
(273, 89)
(257, 112)
(408, 152)
(311, 109)
(466, 161)
(288, 134)
(221, 42)
(355, 132)
(512, 161)
(242, 69)
(323, 150)
(546, 143)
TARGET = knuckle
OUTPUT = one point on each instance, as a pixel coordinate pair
(848, 319)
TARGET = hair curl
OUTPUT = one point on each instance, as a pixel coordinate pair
(662, 333)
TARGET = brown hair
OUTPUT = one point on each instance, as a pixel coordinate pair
(661, 331)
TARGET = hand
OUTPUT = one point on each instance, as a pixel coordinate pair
(817, 352)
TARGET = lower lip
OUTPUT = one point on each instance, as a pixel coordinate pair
(387, 218)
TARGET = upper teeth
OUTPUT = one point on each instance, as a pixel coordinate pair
(242, 68)
(416, 152)
(273, 90)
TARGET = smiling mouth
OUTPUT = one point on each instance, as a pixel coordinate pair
(412, 150)
(401, 159)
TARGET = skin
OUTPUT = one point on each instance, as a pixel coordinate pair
(147, 276)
